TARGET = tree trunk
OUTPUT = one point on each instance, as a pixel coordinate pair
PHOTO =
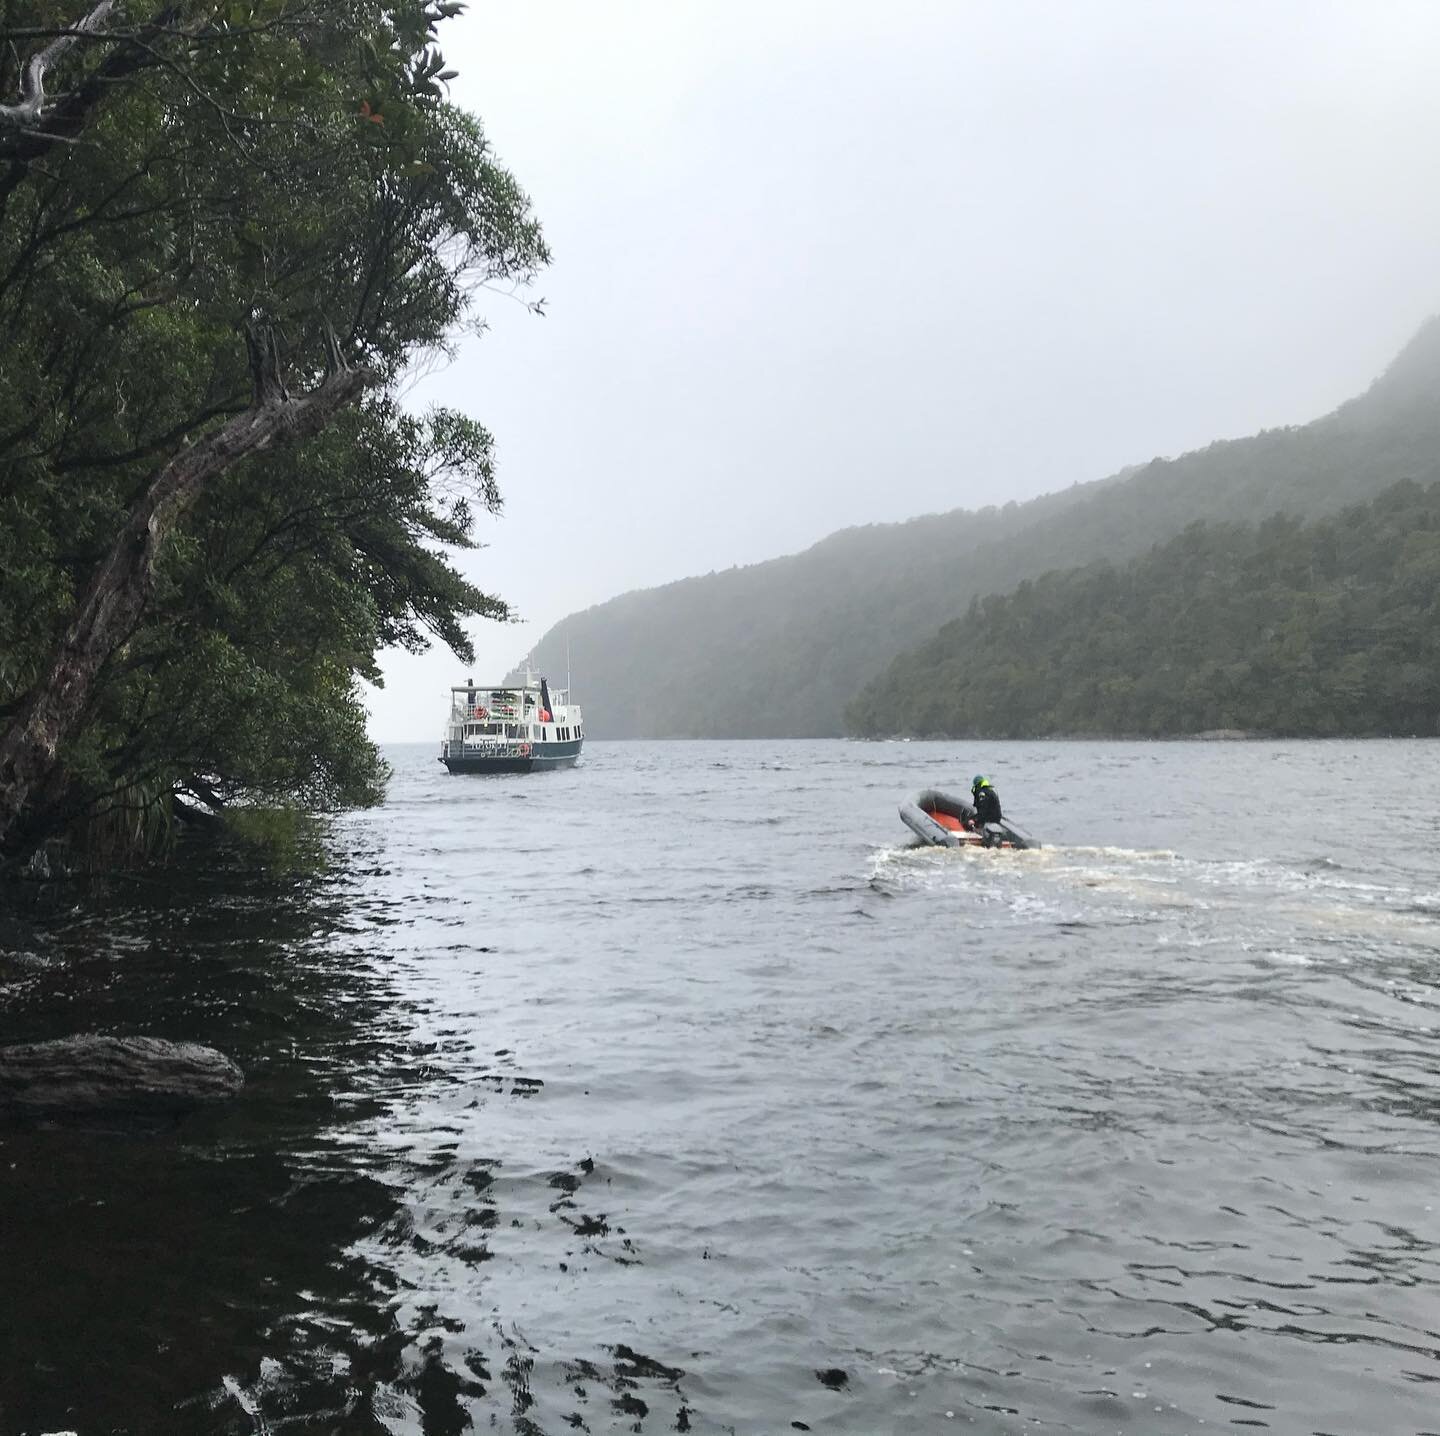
(30, 111)
(121, 586)
(30, 129)
(90, 1075)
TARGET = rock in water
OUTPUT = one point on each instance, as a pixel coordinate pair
(84, 1075)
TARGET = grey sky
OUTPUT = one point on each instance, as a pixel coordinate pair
(827, 264)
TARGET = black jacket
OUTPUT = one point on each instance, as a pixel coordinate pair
(987, 806)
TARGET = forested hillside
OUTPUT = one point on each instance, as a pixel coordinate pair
(1331, 627)
(781, 648)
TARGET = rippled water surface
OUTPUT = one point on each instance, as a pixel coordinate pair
(678, 1092)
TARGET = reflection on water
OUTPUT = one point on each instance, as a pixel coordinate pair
(678, 1093)
(141, 1270)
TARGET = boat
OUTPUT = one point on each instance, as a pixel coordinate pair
(948, 821)
(511, 728)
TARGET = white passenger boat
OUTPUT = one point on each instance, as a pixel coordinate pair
(511, 728)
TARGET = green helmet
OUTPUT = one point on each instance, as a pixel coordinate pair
(978, 782)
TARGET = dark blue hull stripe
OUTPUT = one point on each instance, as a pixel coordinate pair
(541, 756)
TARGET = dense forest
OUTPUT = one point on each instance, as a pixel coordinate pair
(226, 232)
(1325, 628)
(781, 648)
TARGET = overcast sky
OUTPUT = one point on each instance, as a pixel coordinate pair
(825, 264)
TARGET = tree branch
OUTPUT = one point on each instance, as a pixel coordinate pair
(120, 589)
(31, 109)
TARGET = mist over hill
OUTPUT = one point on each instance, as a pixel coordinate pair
(781, 648)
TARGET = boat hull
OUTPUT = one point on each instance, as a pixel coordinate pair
(925, 814)
(541, 758)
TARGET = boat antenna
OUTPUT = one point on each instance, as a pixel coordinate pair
(567, 665)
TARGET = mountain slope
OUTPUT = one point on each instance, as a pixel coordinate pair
(779, 649)
(1318, 629)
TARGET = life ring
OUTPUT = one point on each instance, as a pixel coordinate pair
(524, 750)
(481, 713)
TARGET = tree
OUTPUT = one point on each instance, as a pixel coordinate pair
(223, 226)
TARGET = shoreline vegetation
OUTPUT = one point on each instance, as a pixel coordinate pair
(226, 238)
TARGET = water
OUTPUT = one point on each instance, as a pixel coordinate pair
(677, 1092)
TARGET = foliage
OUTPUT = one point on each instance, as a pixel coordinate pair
(780, 648)
(202, 167)
(1286, 628)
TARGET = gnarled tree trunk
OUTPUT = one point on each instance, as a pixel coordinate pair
(121, 586)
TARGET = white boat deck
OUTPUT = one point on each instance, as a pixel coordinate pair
(505, 718)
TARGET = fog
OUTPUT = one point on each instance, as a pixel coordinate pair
(818, 265)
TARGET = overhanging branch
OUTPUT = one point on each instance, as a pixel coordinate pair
(120, 588)
(30, 111)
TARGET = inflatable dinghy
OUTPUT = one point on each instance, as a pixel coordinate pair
(949, 822)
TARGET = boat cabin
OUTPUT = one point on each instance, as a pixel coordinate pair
(482, 717)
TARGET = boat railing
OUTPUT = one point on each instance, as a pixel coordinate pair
(486, 711)
(486, 746)
(497, 742)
